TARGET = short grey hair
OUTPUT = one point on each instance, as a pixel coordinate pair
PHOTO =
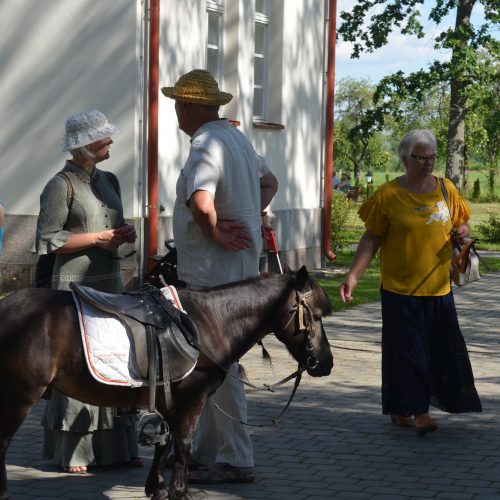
(83, 151)
(421, 137)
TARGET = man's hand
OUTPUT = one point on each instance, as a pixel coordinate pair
(231, 235)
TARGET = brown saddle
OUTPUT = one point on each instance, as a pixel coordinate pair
(169, 334)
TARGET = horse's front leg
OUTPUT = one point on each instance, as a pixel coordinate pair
(155, 483)
(178, 488)
(183, 441)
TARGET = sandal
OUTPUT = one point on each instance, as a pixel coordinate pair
(75, 469)
(222, 473)
(425, 424)
(402, 420)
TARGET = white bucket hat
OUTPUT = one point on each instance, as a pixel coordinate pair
(85, 128)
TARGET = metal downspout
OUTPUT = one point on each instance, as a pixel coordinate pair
(328, 166)
(153, 84)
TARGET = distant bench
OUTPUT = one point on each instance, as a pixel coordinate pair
(353, 193)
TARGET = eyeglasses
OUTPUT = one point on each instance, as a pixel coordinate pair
(424, 158)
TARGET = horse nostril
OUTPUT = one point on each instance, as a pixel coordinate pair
(312, 363)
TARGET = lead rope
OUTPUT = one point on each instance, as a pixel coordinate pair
(298, 377)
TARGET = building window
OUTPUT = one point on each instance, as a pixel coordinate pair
(214, 56)
(261, 61)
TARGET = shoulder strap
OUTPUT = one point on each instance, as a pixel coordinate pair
(445, 194)
(69, 192)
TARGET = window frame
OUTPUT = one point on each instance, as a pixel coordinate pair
(265, 20)
(217, 8)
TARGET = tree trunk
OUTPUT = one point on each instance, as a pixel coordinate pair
(456, 128)
(491, 181)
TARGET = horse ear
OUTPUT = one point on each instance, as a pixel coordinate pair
(302, 278)
(286, 269)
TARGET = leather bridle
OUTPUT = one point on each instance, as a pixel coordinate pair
(302, 310)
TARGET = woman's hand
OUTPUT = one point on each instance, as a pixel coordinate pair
(367, 248)
(127, 233)
(347, 288)
(462, 232)
(109, 240)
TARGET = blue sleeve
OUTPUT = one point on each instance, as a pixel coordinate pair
(1, 238)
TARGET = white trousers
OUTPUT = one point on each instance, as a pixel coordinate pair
(217, 437)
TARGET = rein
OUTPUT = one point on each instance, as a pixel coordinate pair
(297, 374)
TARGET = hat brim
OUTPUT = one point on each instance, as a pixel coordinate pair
(218, 99)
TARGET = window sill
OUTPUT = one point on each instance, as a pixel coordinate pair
(268, 126)
(234, 123)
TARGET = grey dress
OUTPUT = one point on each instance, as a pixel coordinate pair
(76, 433)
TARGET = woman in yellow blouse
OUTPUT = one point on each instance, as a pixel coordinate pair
(424, 357)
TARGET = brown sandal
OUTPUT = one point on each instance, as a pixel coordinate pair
(402, 420)
(425, 424)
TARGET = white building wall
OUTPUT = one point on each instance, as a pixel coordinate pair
(294, 153)
(59, 57)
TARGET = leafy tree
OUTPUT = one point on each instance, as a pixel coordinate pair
(483, 129)
(353, 150)
(368, 26)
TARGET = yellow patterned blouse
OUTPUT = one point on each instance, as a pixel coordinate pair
(415, 231)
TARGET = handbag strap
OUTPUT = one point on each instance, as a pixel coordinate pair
(69, 192)
(463, 254)
(445, 194)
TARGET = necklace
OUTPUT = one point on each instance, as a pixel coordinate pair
(83, 175)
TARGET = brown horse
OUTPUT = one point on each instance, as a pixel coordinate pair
(40, 346)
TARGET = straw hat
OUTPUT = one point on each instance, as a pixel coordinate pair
(85, 128)
(197, 86)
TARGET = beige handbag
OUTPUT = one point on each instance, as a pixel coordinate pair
(464, 264)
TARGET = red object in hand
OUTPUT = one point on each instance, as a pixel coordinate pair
(270, 239)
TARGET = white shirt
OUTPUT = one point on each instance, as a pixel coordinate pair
(223, 162)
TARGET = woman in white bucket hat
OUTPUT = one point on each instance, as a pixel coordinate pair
(81, 222)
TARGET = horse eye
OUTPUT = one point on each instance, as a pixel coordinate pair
(317, 317)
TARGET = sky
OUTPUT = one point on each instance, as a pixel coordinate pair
(403, 53)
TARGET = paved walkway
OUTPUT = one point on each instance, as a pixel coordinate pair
(333, 442)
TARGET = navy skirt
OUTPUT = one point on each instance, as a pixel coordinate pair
(424, 357)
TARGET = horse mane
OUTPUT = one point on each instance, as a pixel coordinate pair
(321, 297)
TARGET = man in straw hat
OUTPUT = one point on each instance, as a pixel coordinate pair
(221, 192)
